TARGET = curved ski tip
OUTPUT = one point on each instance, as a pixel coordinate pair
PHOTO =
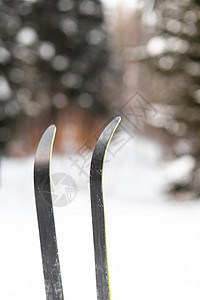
(51, 128)
(115, 122)
(117, 119)
(45, 145)
(48, 135)
(50, 131)
(52, 125)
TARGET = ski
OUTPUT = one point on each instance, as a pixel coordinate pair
(97, 207)
(45, 215)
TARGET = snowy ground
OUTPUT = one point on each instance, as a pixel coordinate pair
(153, 242)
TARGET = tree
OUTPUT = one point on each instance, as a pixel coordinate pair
(52, 53)
(174, 53)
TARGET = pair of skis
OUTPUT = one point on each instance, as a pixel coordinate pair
(45, 215)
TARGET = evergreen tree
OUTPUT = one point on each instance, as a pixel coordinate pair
(174, 52)
(51, 53)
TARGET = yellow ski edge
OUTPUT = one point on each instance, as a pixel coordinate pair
(103, 193)
(50, 155)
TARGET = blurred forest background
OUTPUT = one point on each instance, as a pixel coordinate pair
(75, 63)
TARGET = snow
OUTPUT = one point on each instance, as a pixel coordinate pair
(156, 46)
(180, 169)
(27, 36)
(5, 91)
(128, 4)
(153, 242)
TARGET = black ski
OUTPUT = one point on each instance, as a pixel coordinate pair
(45, 215)
(97, 205)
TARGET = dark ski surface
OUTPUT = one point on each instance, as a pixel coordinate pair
(97, 206)
(45, 215)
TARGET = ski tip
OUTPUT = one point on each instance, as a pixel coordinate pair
(117, 120)
(44, 149)
(51, 128)
(48, 135)
(114, 124)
